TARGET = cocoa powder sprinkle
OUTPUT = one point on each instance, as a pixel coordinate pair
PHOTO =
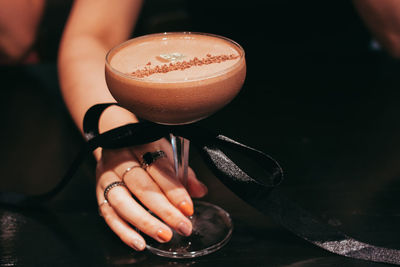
(181, 65)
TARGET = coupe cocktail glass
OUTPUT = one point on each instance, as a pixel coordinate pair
(180, 78)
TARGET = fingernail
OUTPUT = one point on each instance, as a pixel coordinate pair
(184, 228)
(204, 187)
(164, 235)
(186, 208)
(138, 244)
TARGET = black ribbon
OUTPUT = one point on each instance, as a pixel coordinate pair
(249, 173)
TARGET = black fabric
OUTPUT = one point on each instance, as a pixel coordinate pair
(249, 173)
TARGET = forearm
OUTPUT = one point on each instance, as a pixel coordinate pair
(383, 20)
(85, 42)
(81, 70)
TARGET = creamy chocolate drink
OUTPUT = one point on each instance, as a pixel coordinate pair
(175, 78)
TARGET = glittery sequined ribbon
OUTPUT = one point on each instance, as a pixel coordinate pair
(249, 173)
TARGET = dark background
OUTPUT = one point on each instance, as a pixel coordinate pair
(319, 97)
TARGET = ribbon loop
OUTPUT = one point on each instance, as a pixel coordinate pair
(223, 154)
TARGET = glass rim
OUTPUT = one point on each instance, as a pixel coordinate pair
(216, 74)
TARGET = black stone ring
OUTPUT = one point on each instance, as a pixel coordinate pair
(150, 157)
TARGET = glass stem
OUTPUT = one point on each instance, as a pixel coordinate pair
(180, 148)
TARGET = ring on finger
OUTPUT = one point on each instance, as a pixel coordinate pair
(111, 186)
(150, 157)
(100, 205)
(128, 170)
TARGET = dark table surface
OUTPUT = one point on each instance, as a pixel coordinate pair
(337, 141)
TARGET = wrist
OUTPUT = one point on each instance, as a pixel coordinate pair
(115, 116)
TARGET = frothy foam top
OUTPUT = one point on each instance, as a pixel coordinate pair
(175, 57)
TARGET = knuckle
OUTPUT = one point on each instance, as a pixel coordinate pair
(168, 213)
(177, 195)
(148, 225)
(143, 188)
(169, 216)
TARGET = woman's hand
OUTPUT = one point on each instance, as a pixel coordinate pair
(154, 187)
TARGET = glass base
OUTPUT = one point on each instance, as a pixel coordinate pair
(212, 229)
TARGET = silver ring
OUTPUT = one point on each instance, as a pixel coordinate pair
(111, 186)
(100, 205)
(150, 157)
(128, 170)
(104, 202)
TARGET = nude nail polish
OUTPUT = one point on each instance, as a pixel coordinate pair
(184, 229)
(164, 235)
(138, 245)
(186, 208)
(205, 188)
